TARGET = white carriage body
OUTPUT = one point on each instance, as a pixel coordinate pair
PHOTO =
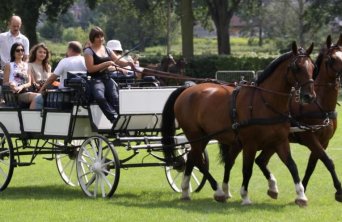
(140, 109)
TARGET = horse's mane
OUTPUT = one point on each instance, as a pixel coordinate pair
(318, 64)
(319, 61)
(272, 66)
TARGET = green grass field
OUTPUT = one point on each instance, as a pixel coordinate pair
(37, 193)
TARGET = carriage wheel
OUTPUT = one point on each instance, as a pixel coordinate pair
(6, 158)
(98, 167)
(66, 162)
(174, 175)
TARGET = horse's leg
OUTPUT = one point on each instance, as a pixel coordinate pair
(284, 153)
(195, 158)
(229, 155)
(249, 153)
(309, 169)
(318, 151)
(262, 161)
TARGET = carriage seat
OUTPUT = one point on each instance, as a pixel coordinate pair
(11, 99)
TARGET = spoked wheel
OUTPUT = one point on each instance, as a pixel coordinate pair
(174, 174)
(66, 162)
(6, 158)
(98, 167)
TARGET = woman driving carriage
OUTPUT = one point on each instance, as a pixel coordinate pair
(100, 61)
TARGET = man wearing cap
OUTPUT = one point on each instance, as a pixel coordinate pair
(7, 39)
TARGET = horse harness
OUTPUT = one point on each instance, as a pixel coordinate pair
(236, 125)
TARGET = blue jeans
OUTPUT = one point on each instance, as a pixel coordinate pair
(39, 101)
(106, 94)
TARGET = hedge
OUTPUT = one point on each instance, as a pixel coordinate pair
(206, 66)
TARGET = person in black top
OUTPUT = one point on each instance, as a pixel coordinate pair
(100, 61)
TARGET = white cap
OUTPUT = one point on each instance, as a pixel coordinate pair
(114, 45)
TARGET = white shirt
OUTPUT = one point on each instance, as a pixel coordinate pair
(69, 64)
(6, 42)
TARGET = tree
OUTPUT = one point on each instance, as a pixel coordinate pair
(187, 26)
(221, 12)
(30, 10)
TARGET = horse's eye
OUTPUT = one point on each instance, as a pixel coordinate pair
(294, 67)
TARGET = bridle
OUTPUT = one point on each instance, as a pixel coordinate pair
(329, 63)
(293, 67)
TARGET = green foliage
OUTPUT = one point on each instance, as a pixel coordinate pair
(206, 66)
(72, 34)
(51, 30)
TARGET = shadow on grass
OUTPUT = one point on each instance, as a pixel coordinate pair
(62, 192)
(155, 200)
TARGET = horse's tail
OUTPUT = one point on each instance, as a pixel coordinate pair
(225, 150)
(168, 127)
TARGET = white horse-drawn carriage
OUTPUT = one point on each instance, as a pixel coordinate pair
(76, 134)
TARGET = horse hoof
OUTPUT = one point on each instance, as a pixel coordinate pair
(301, 202)
(246, 203)
(228, 196)
(220, 199)
(338, 196)
(272, 194)
(185, 199)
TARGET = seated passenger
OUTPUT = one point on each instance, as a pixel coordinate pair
(73, 62)
(100, 61)
(17, 78)
(39, 67)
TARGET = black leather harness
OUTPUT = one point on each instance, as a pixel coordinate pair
(236, 125)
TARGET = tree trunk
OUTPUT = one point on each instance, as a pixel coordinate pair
(29, 19)
(301, 22)
(187, 26)
(169, 11)
(221, 12)
(223, 38)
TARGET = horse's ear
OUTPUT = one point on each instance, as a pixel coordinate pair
(329, 41)
(294, 48)
(339, 42)
(309, 50)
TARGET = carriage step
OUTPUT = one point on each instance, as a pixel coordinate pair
(48, 158)
(24, 164)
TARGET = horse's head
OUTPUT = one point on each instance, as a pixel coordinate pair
(166, 62)
(300, 73)
(333, 58)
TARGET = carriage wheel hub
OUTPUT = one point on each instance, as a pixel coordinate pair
(97, 167)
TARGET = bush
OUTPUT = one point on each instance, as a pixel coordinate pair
(78, 34)
(206, 66)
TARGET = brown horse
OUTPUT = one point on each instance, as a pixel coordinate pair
(256, 116)
(169, 64)
(317, 119)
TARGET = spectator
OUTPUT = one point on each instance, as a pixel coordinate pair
(17, 77)
(39, 67)
(7, 39)
(100, 62)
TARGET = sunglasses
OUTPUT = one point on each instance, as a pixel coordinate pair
(19, 50)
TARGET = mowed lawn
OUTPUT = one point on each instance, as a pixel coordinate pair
(37, 193)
